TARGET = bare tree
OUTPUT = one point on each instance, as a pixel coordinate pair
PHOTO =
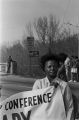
(52, 31)
(29, 32)
(29, 29)
(40, 26)
(47, 29)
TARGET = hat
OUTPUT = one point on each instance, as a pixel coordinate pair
(48, 57)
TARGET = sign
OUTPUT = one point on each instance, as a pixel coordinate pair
(3, 67)
(34, 53)
(44, 104)
(30, 43)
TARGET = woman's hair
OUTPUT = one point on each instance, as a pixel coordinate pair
(63, 57)
(48, 57)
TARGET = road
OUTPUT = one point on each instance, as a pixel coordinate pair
(12, 84)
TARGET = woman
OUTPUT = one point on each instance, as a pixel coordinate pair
(64, 71)
(50, 64)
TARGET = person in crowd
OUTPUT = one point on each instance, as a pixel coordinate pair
(50, 65)
(9, 64)
(78, 69)
(75, 69)
(67, 65)
(64, 71)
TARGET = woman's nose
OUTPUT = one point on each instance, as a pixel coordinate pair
(52, 67)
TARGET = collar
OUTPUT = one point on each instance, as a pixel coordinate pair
(55, 80)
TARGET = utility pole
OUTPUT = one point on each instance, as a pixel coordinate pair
(78, 45)
(30, 45)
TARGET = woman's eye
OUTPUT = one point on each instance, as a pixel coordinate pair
(50, 66)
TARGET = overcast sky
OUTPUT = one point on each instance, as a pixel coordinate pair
(15, 14)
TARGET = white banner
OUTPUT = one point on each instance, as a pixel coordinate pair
(44, 104)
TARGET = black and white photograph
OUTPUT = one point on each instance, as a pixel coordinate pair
(39, 59)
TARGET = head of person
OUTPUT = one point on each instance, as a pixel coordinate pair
(10, 57)
(62, 57)
(50, 65)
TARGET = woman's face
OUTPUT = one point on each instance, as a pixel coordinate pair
(51, 68)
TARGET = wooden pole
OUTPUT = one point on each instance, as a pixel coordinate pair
(78, 46)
